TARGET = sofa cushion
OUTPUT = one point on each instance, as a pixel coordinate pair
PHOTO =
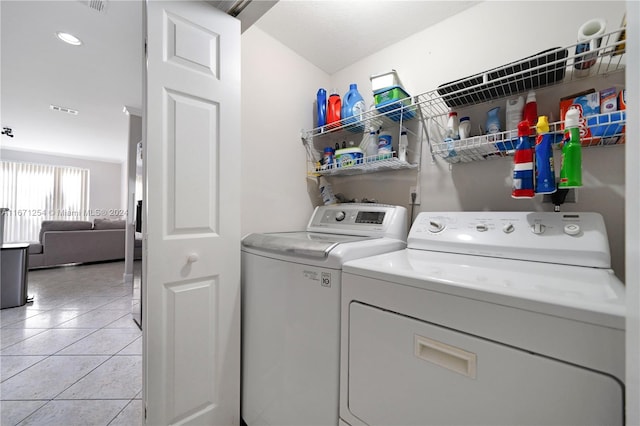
(108, 224)
(35, 248)
(64, 225)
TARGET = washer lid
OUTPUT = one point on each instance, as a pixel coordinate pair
(304, 244)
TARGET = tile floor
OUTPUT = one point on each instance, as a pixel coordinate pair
(74, 355)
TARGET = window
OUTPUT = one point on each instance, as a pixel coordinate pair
(37, 192)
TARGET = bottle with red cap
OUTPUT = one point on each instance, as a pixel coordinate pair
(523, 177)
(453, 126)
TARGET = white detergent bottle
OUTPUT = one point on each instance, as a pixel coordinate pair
(402, 145)
(513, 114)
(326, 191)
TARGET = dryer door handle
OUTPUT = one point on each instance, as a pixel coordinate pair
(447, 356)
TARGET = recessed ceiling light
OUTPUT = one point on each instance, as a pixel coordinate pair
(69, 38)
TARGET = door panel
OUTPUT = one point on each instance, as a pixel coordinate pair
(192, 262)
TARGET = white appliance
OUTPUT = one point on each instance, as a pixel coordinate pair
(487, 318)
(291, 310)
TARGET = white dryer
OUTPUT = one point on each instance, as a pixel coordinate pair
(291, 284)
(487, 318)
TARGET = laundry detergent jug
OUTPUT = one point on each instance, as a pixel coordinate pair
(352, 108)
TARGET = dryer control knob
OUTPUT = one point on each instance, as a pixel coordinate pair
(508, 228)
(435, 226)
(537, 228)
(482, 227)
(572, 229)
(340, 216)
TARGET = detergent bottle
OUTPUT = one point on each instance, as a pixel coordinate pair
(321, 105)
(333, 109)
(353, 107)
(545, 174)
(523, 164)
(571, 167)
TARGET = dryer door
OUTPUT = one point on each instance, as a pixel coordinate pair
(405, 371)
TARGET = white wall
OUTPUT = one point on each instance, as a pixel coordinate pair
(486, 36)
(105, 178)
(278, 93)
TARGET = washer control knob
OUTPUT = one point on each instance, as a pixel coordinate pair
(508, 228)
(435, 226)
(538, 228)
(482, 227)
(572, 229)
(340, 216)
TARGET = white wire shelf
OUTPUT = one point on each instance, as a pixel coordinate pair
(554, 66)
(369, 164)
(604, 129)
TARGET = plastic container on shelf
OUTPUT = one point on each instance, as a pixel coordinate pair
(544, 171)
(403, 145)
(352, 108)
(513, 114)
(395, 103)
(348, 157)
(321, 107)
(384, 80)
(333, 109)
(523, 164)
(385, 145)
(571, 168)
(530, 112)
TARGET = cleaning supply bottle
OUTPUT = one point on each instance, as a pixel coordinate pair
(571, 167)
(493, 120)
(530, 112)
(353, 107)
(513, 114)
(321, 107)
(402, 145)
(545, 174)
(523, 164)
(333, 109)
(326, 191)
(453, 126)
(370, 146)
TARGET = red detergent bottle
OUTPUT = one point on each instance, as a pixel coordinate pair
(333, 109)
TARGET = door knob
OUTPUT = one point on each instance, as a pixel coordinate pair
(193, 257)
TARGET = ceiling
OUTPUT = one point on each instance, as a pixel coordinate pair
(101, 77)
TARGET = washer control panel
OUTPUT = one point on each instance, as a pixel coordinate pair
(360, 219)
(564, 238)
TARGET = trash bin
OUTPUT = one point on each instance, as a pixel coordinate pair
(14, 267)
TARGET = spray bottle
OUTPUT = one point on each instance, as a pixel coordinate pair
(402, 145)
(571, 167)
(523, 164)
(326, 191)
(545, 174)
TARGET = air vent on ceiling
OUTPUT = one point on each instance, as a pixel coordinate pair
(63, 109)
(97, 5)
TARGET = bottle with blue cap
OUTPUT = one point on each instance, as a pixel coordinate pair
(353, 107)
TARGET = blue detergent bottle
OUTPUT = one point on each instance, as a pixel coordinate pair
(352, 108)
(321, 105)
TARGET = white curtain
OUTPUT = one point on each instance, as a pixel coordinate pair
(37, 192)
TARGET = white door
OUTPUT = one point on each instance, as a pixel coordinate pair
(191, 287)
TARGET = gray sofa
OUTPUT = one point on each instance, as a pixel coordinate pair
(66, 241)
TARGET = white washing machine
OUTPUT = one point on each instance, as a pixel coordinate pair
(487, 318)
(291, 285)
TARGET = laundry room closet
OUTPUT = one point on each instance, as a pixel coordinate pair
(278, 109)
